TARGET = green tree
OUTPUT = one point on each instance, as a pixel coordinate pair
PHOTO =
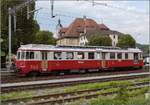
(100, 40)
(44, 37)
(26, 28)
(126, 41)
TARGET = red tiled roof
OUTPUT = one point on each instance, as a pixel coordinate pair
(63, 30)
(79, 24)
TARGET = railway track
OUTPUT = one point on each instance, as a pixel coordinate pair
(67, 82)
(7, 73)
(14, 79)
(69, 96)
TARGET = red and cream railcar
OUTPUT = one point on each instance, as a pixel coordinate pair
(37, 58)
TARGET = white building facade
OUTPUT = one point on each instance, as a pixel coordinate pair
(83, 40)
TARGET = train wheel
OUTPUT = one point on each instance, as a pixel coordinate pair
(33, 74)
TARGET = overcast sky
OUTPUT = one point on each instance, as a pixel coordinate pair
(130, 17)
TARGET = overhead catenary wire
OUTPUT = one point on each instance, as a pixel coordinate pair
(68, 14)
(73, 15)
(116, 7)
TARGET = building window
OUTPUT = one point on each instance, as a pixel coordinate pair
(82, 37)
(91, 55)
(82, 44)
(112, 55)
(69, 55)
(119, 55)
(57, 55)
(114, 36)
(80, 55)
(126, 55)
(114, 43)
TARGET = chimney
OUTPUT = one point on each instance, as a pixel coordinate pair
(84, 18)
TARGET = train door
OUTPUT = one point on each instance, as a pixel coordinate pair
(136, 58)
(44, 63)
(103, 60)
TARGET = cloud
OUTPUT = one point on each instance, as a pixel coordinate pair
(125, 16)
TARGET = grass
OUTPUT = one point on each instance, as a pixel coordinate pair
(105, 84)
(16, 95)
(138, 91)
(131, 101)
(107, 100)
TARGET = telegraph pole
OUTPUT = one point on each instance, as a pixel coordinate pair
(9, 22)
(14, 22)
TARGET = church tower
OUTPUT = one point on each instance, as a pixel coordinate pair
(58, 29)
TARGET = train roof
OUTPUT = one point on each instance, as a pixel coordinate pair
(76, 48)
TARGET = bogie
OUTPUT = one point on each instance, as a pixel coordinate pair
(33, 74)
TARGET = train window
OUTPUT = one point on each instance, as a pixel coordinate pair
(135, 56)
(126, 55)
(141, 56)
(91, 55)
(31, 55)
(44, 55)
(22, 55)
(112, 55)
(119, 55)
(57, 55)
(103, 55)
(36, 56)
(69, 55)
(98, 55)
(80, 55)
(27, 55)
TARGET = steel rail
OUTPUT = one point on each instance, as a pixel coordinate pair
(68, 94)
(14, 79)
(68, 82)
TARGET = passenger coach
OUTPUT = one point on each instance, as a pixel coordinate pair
(33, 59)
